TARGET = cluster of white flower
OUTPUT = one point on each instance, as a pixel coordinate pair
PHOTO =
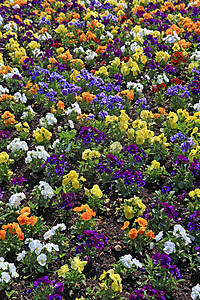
(135, 46)
(161, 78)
(15, 199)
(52, 231)
(195, 292)
(197, 106)
(36, 246)
(90, 55)
(79, 49)
(55, 143)
(3, 90)
(48, 120)
(29, 111)
(123, 4)
(1, 20)
(9, 271)
(137, 86)
(17, 145)
(179, 231)
(14, 71)
(195, 55)
(20, 97)
(44, 36)
(10, 26)
(75, 108)
(141, 32)
(39, 153)
(37, 52)
(171, 38)
(127, 261)
(46, 190)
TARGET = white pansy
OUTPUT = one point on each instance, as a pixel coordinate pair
(90, 55)
(42, 258)
(3, 90)
(55, 143)
(39, 153)
(195, 292)
(50, 246)
(80, 49)
(21, 255)
(48, 120)
(137, 263)
(5, 277)
(75, 108)
(197, 106)
(46, 190)
(28, 111)
(28, 240)
(60, 226)
(169, 247)
(20, 97)
(49, 234)
(179, 231)
(36, 246)
(126, 261)
(17, 145)
(15, 199)
(1, 20)
(159, 236)
(71, 124)
(44, 36)
(4, 265)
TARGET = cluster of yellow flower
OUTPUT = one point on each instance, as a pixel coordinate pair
(130, 66)
(42, 134)
(116, 281)
(87, 154)
(95, 191)
(72, 177)
(133, 207)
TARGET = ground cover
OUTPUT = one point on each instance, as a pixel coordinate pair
(99, 150)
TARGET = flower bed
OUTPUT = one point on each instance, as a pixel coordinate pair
(99, 150)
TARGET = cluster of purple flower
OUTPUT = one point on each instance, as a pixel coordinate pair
(111, 48)
(68, 201)
(195, 85)
(194, 221)
(165, 260)
(169, 69)
(178, 91)
(194, 165)
(170, 211)
(149, 291)
(133, 150)
(91, 239)
(183, 196)
(58, 287)
(4, 134)
(109, 101)
(89, 134)
(129, 176)
(18, 180)
(60, 164)
(142, 102)
(93, 80)
(185, 146)
(178, 136)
